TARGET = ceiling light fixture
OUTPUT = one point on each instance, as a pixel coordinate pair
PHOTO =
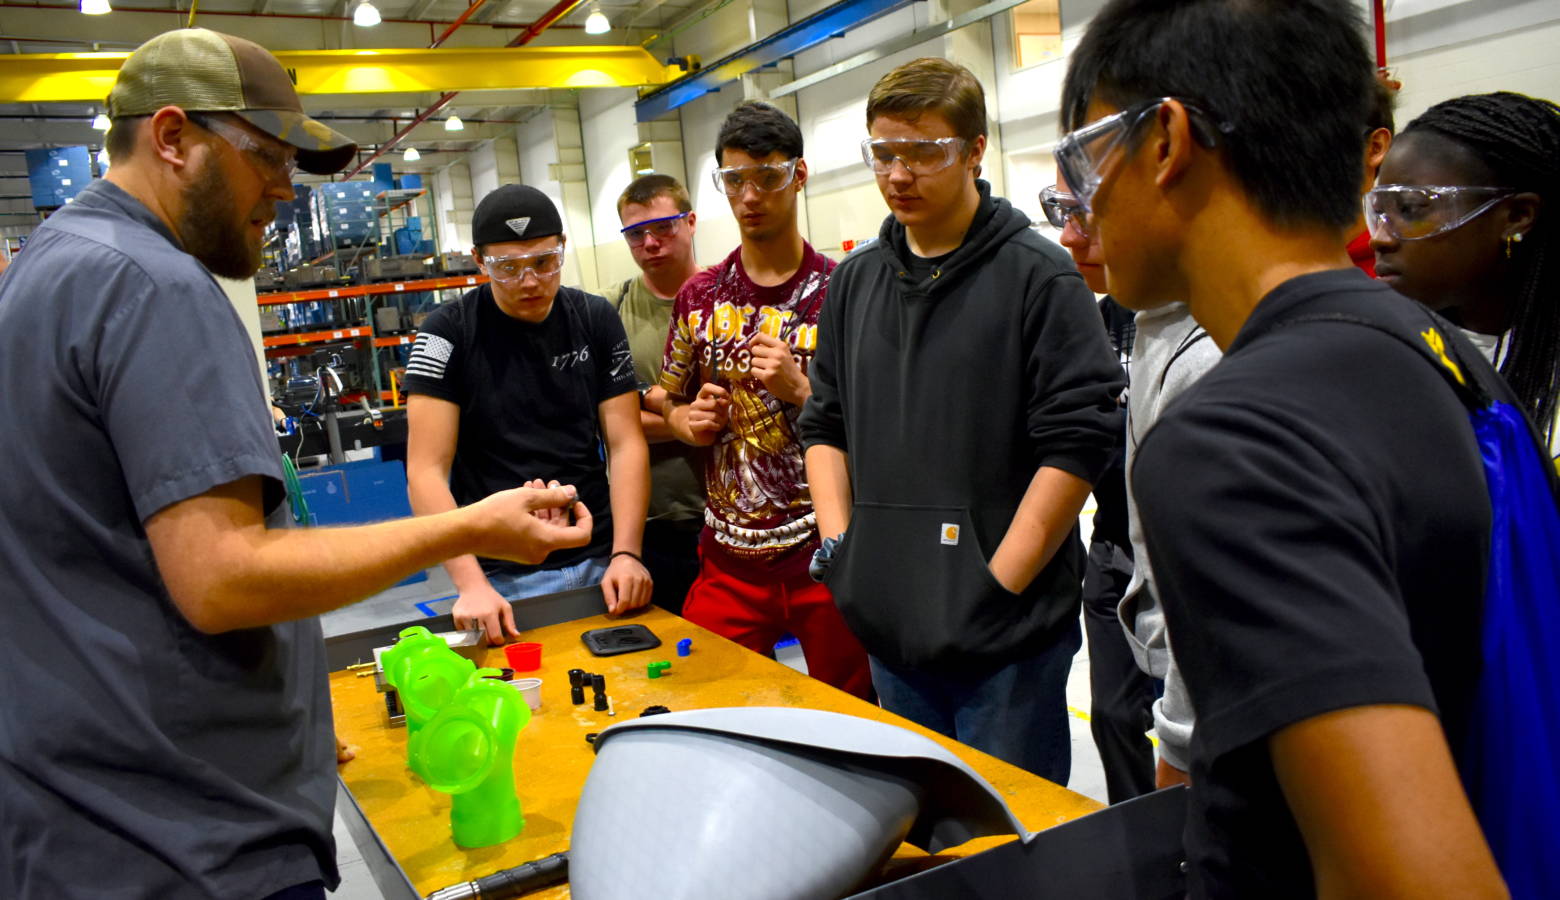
(100, 122)
(596, 22)
(411, 155)
(95, 8)
(366, 15)
(453, 123)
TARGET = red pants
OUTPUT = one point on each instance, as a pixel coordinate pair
(758, 615)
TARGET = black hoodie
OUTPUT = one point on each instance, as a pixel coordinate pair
(948, 394)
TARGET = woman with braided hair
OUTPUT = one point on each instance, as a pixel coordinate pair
(1459, 222)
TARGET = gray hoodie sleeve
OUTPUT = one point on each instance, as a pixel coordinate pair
(1173, 717)
(1157, 382)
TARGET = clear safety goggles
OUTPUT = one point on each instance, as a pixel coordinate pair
(662, 228)
(767, 178)
(272, 161)
(919, 156)
(1082, 154)
(514, 268)
(1059, 206)
(1413, 212)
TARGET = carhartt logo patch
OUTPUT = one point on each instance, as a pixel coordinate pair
(950, 534)
(519, 225)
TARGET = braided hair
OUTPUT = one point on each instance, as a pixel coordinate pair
(1518, 138)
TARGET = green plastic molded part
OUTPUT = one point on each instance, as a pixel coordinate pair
(656, 668)
(468, 751)
(425, 672)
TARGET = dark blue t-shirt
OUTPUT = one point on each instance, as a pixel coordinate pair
(139, 756)
(529, 395)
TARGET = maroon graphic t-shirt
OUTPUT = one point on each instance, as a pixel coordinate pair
(758, 509)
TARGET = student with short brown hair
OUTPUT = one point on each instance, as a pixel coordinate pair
(963, 402)
(658, 226)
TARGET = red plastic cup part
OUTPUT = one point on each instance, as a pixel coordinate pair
(525, 656)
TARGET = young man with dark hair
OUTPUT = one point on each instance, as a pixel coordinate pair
(735, 373)
(658, 222)
(964, 401)
(522, 382)
(166, 728)
(1315, 505)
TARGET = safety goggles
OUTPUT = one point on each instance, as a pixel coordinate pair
(662, 228)
(272, 161)
(919, 157)
(1059, 206)
(508, 269)
(768, 178)
(1413, 212)
(1082, 154)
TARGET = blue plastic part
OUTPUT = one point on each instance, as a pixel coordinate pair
(685, 646)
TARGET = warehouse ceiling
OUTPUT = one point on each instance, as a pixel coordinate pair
(369, 118)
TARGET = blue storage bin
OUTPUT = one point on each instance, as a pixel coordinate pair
(357, 493)
(57, 174)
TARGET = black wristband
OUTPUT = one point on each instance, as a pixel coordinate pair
(628, 553)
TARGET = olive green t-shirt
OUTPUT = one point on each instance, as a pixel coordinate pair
(676, 469)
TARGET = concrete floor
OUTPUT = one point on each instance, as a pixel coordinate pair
(435, 595)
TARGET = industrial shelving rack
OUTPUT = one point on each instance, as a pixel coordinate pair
(359, 335)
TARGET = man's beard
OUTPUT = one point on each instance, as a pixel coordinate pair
(209, 231)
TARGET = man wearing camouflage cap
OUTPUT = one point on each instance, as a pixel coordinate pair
(166, 731)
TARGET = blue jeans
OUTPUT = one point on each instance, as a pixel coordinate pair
(518, 586)
(1017, 713)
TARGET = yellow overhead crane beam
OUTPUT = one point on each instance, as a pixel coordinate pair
(87, 77)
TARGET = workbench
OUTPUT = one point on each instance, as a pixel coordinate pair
(410, 821)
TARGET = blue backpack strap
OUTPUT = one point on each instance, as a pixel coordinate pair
(1510, 757)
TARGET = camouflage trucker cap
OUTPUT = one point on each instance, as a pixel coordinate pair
(200, 70)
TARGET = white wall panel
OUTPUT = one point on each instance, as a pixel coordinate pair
(1415, 26)
(537, 142)
(701, 121)
(1525, 61)
(444, 216)
(607, 123)
(484, 171)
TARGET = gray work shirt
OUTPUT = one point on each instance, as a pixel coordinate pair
(138, 756)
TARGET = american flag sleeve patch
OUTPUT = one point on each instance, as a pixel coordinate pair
(430, 355)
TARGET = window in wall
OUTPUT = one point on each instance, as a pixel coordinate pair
(1037, 32)
(641, 159)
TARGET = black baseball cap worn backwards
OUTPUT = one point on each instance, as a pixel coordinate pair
(514, 212)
